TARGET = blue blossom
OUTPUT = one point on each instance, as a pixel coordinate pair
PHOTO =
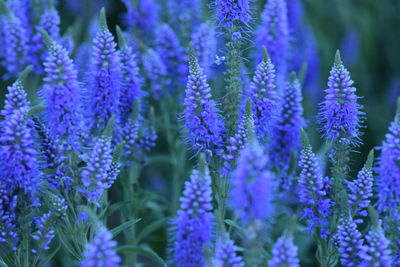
(193, 226)
(156, 73)
(340, 115)
(59, 205)
(312, 191)
(252, 184)
(377, 251)
(23, 10)
(205, 45)
(104, 80)
(226, 256)
(233, 12)
(95, 175)
(17, 146)
(144, 18)
(360, 190)
(62, 96)
(274, 32)
(286, 138)
(171, 54)
(8, 220)
(203, 124)
(101, 251)
(130, 136)
(349, 242)
(44, 233)
(264, 97)
(284, 252)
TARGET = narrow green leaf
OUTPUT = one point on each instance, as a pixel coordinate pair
(115, 231)
(146, 252)
(151, 228)
(49, 257)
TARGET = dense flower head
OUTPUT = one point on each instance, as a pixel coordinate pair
(62, 96)
(44, 233)
(312, 192)
(130, 83)
(226, 256)
(130, 136)
(101, 251)
(171, 54)
(340, 115)
(377, 251)
(22, 9)
(264, 97)
(205, 45)
(8, 221)
(104, 79)
(389, 169)
(360, 191)
(59, 205)
(144, 18)
(274, 32)
(349, 242)
(252, 184)
(156, 72)
(233, 12)
(95, 176)
(15, 44)
(17, 146)
(203, 124)
(146, 138)
(194, 223)
(286, 138)
(284, 253)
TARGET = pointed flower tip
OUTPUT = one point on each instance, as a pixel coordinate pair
(338, 59)
(24, 74)
(192, 54)
(47, 39)
(109, 127)
(248, 111)
(370, 159)
(103, 19)
(304, 138)
(373, 215)
(265, 53)
(120, 36)
(118, 151)
(202, 163)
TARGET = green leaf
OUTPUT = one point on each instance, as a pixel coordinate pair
(115, 231)
(146, 252)
(151, 228)
(49, 257)
(234, 225)
(3, 264)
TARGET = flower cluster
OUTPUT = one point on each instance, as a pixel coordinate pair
(284, 253)
(233, 12)
(205, 45)
(226, 256)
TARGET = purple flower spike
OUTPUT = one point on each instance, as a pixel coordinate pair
(225, 255)
(286, 137)
(252, 184)
(62, 95)
(95, 176)
(284, 253)
(194, 224)
(101, 251)
(8, 221)
(340, 115)
(205, 45)
(264, 96)
(203, 124)
(312, 192)
(45, 233)
(349, 242)
(377, 251)
(274, 32)
(104, 80)
(156, 73)
(232, 12)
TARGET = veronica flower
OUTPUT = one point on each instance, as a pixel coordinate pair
(377, 251)
(286, 138)
(171, 54)
(252, 184)
(274, 32)
(203, 124)
(340, 115)
(233, 12)
(360, 190)
(95, 176)
(156, 73)
(284, 253)
(15, 43)
(23, 10)
(62, 95)
(146, 139)
(101, 251)
(17, 146)
(205, 45)
(104, 80)
(44, 233)
(8, 220)
(59, 205)
(130, 136)
(312, 191)
(389, 169)
(194, 224)
(130, 81)
(144, 18)
(349, 242)
(264, 96)
(226, 256)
